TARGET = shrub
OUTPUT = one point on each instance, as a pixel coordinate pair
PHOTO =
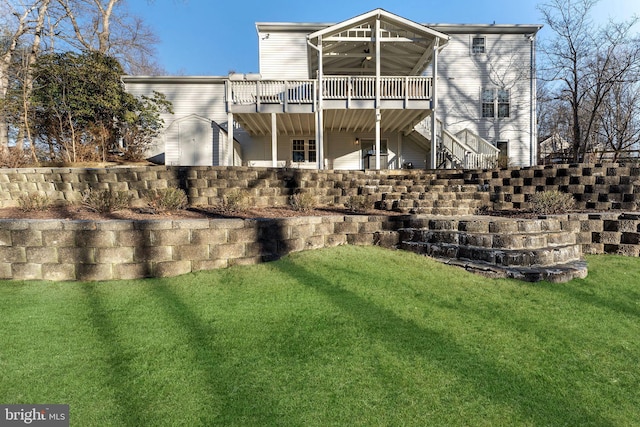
(236, 200)
(360, 203)
(167, 199)
(552, 202)
(34, 202)
(302, 202)
(105, 200)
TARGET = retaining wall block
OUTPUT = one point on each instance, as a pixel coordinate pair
(130, 271)
(58, 272)
(227, 251)
(42, 255)
(171, 268)
(27, 271)
(115, 255)
(94, 272)
(173, 237)
(191, 252)
(152, 254)
(287, 246)
(332, 240)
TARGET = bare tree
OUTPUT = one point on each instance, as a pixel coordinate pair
(106, 27)
(619, 126)
(584, 63)
(12, 39)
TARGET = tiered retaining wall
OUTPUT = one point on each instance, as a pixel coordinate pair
(203, 185)
(595, 187)
(123, 249)
(87, 250)
(599, 187)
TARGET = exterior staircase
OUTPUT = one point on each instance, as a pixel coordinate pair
(524, 249)
(428, 194)
(464, 150)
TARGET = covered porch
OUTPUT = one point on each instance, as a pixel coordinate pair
(366, 77)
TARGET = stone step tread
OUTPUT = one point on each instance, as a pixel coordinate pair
(491, 240)
(559, 273)
(444, 212)
(499, 256)
(495, 225)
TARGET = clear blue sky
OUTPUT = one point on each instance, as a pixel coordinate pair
(213, 37)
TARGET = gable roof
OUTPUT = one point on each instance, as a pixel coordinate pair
(406, 47)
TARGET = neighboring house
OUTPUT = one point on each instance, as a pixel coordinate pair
(375, 91)
(554, 149)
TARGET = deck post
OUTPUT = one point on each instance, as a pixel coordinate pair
(274, 141)
(378, 112)
(319, 113)
(434, 105)
(229, 157)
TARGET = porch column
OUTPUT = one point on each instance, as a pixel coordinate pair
(274, 141)
(229, 157)
(434, 105)
(378, 112)
(319, 112)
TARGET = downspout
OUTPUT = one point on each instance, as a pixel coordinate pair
(319, 121)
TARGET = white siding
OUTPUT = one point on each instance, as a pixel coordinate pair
(188, 96)
(283, 55)
(506, 64)
(412, 153)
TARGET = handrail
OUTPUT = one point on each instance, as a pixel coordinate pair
(476, 142)
(478, 154)
(245, 92)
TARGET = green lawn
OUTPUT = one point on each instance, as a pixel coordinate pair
(342, 336)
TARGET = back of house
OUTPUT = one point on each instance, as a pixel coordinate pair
(376, 91)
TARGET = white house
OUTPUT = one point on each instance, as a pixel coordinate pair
(375, 91)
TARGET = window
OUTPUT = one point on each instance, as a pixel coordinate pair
(488, 104)
(496, 101)
(503, 103)
(478, 45)
(298, 150)
(303, 150)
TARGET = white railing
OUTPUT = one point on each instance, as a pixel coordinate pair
(364, 87)
(246, 92)
(477, 143)
(271, 92)
(455, 152)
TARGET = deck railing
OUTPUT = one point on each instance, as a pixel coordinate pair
(244, 92)
(464, 149)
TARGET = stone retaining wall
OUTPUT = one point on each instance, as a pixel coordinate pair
(122, 249)
(594, 186)
(599, 187)
(203, 185)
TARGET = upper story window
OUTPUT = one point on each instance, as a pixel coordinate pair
(478, 45)
(496, 103)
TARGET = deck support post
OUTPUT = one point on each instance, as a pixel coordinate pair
(320, 112)
(434, 106)
(378, 111)
(229, 157)
(274, 141)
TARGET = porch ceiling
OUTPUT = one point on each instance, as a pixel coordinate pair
(352, 121)
(406, 47)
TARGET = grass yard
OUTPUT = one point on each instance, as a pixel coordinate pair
(342, 336)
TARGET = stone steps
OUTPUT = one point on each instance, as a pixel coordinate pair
(527, 249)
